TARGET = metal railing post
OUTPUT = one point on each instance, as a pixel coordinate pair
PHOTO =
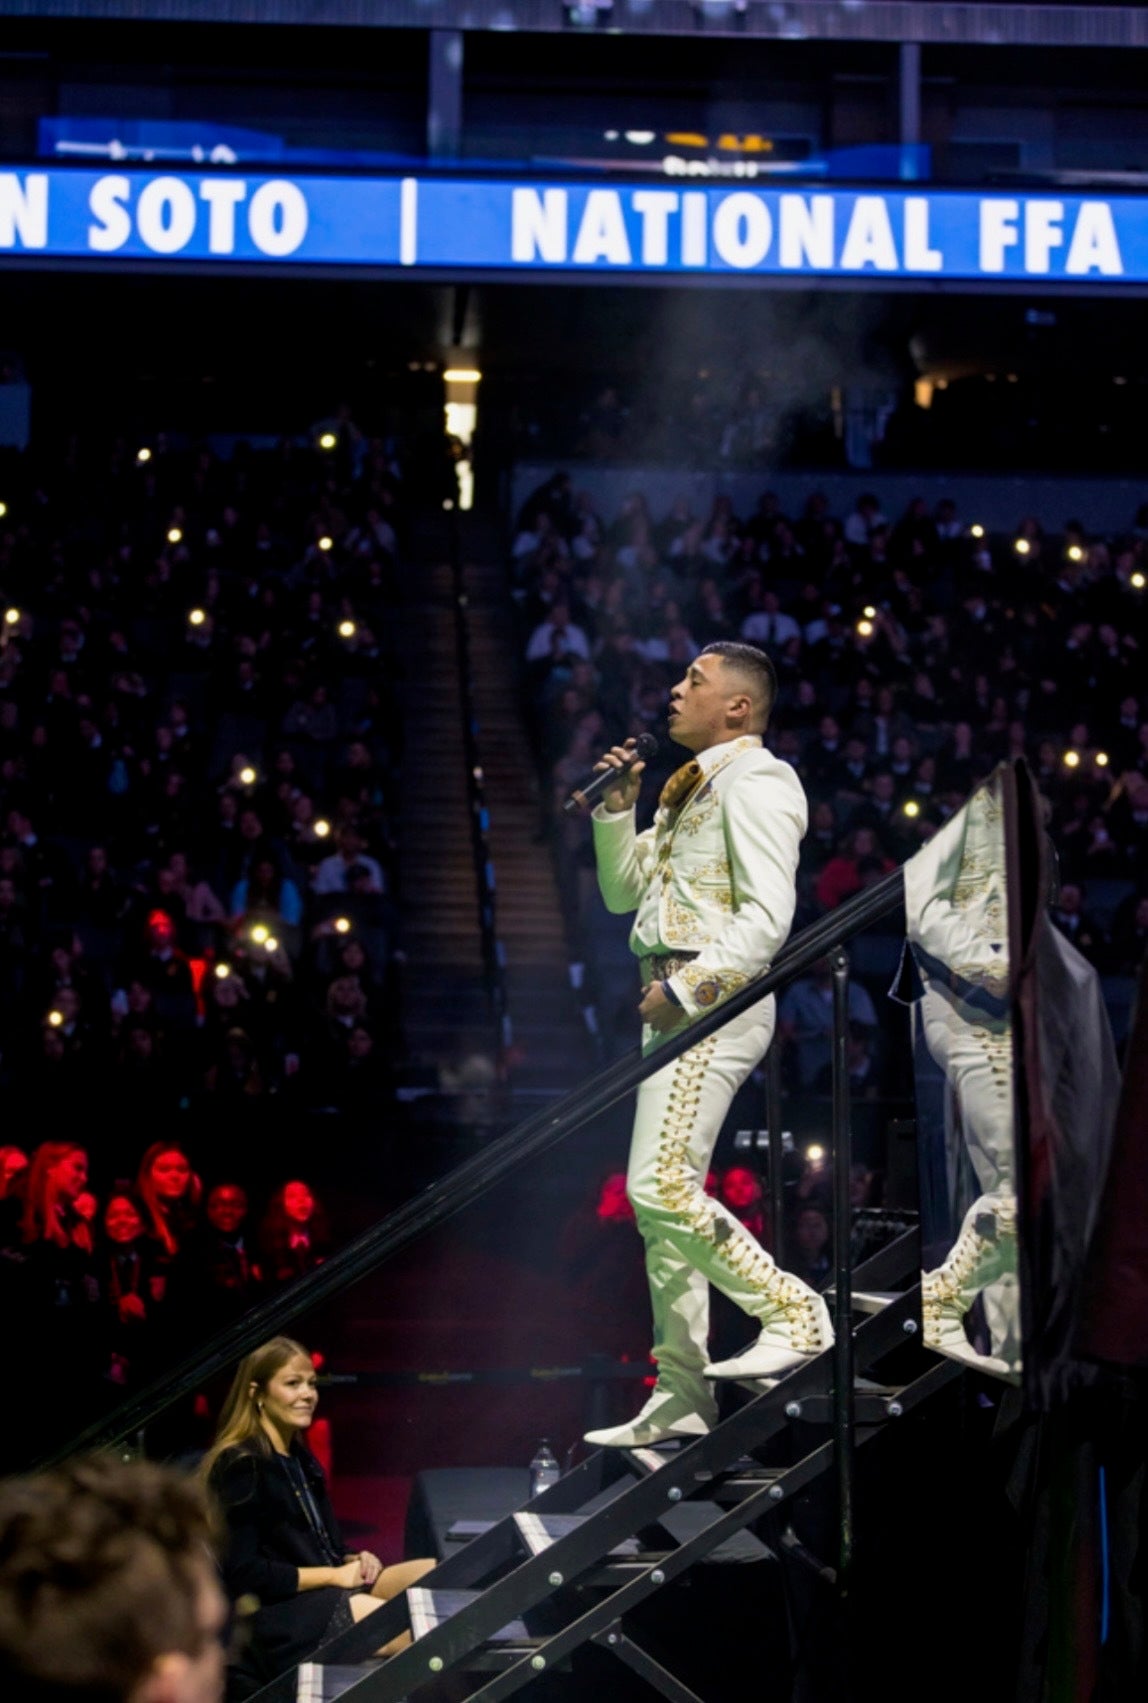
(843, 1437)
(774, 1151)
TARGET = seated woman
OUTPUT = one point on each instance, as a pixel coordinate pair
(283, 1544)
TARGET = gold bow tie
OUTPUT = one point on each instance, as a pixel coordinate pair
(679, 786)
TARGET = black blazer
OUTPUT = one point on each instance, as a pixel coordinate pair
(268, 1539)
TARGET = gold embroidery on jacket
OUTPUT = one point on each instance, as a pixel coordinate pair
(725, 981)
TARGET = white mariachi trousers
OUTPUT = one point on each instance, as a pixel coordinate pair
(691, 1239)
(975, 1051)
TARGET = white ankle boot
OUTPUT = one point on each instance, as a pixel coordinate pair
(799, 1329)
(984, 1251)
(665, 1415)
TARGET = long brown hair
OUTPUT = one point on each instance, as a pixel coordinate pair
(239, 1421)
(46, 1217)
(158, 1218)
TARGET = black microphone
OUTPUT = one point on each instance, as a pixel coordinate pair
(586, 796)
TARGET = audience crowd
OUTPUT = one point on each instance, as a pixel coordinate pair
(118, 1279)
(198, 744)
(913, 655)
(197, 748)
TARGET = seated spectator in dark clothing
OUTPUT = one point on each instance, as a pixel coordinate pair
(163, 968)
(1070, 917)
(131, 1287)
(851, 777)
(294, 1237)
(805, 1021)
(234, 1074)
(860, 862)
(861, 1065)
(807, 1250)
(52, 1305)
(283, 1546)
(366, 1082)
(820, 843)
(823, 757)
(64, 969)
(1129, 939)
(219, 1277)
(266, 895)
(147, 1085)
(333, 874)
(1128, 823)
(169, 1193)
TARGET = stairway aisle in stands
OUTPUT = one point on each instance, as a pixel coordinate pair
(446, 1015)
(548, 1029)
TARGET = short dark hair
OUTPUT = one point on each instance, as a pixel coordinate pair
(748, 660)
(102, 1570)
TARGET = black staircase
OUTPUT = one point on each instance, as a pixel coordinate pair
(516, 1600)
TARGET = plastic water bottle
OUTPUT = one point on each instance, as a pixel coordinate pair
(544, 1469)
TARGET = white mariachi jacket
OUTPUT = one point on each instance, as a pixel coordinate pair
(725, 867)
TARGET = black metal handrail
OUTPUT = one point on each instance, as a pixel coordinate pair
(467, 1182)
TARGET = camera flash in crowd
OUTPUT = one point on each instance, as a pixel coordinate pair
(196, 617)
(1022, 546)
(248, 776)
(346, 629)
(322, 827)
(342, 925)
(1101, 759)
(1072, 759)
(865, 629)
(327, 440)
(911, 808)
(1074, 553)
(976, 530)
(143, 455)
(271, 944)
(55, 1018)
(1137, 581)
(260, 933)
(869, 612)
(815, 1153)
(326, 542)
(11, 616)
(3, 510)
(222, 971)
(174, 535)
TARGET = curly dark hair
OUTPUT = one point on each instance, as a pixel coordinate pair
(103, 1567)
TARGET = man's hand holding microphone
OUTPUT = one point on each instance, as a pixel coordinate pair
(621, 769)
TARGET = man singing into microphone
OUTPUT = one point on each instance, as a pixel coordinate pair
(712, 883)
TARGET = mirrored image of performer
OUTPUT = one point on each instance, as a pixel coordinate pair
(712, 884)
(957, 919)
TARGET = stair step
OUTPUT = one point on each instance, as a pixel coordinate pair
(539, 1531)
(866, 1300)
(429, 1609)
(316, 1682)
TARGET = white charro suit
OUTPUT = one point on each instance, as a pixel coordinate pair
(956, 909)
(713, 885)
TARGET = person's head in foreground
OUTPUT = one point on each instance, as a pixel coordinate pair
(108, 1593)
